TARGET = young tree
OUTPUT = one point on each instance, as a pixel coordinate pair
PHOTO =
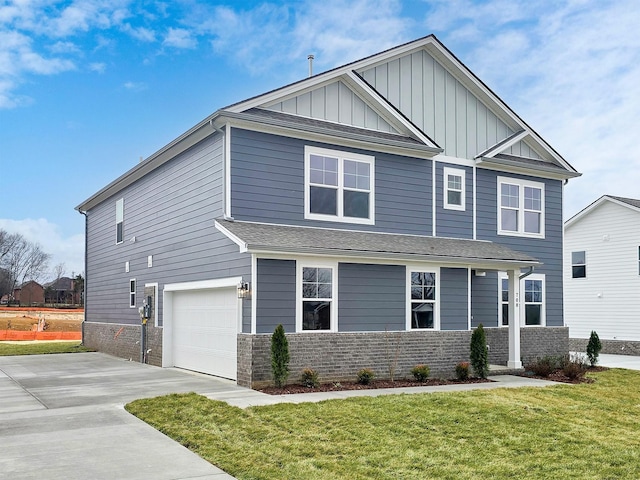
(593, 348)
(279, 356)
(22, 259)
(479, 355)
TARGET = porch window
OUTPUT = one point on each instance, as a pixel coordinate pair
(339, 186)
(533, 304)
(520, 208)
(317, 298)
(532, 291)
(423, 300)
(454, 189)
(578, 264)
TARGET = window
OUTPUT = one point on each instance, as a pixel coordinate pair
(520, 207)
(578, 264)
(423, 299)
(339, 186)
(132, 292)
(532, 309)
(638, 260)
(318, 286)
(453, 189)
(119, 220)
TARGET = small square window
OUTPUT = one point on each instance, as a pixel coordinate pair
(454, 189)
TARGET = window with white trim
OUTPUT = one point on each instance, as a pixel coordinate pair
(132, 293)
(318, 288)
(532, 309)
(120, 221)
(578, 264)
(339, 186)
(520, 207)
(454, 188)
(423, 299)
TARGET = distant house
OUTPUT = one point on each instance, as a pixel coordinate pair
(389, 205)
(602, 275)
(62, 291)
(29, 293)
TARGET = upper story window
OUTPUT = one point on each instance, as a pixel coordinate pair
(120, 220)
(317, 293)
(423, 299)
(520, 207)
(454, 191)
(132, 292)
(578, 264)
(339, 186)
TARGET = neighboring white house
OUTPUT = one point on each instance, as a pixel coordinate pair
(602, 274)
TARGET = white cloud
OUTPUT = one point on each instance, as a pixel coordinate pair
(67, 250)
(140, 33)
(179, 38)
(135, 86)
(98, 67)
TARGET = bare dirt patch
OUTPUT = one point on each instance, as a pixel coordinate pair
(53, 320)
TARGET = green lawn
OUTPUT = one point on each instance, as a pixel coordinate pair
(40, 348)
(588, 431)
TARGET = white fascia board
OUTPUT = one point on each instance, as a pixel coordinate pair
(533, 171)
(384, 109)
(589, 208)
(350, 255)
(302, 132)
(238, 241)
(203, 284)
(463, 162)
(503, 145)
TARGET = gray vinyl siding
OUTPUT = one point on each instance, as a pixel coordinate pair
(454, 223)
(434, 100)
(334, 102)
(171, 213)
(276, 300)
(371, 297)
(484, 300)
(454, 299)
(547, 250)
(267, 185)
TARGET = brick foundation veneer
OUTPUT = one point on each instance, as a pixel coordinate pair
(339, 356)
(615, 347)
(123, 340)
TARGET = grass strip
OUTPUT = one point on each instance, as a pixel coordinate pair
(41, 347)
(588, 431)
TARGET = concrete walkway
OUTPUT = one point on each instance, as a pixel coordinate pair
(62, 416)
(619, 361)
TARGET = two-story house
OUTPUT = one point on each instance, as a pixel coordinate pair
(378, 211)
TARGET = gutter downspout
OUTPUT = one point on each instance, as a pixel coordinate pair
(526, 274)
(84, 287)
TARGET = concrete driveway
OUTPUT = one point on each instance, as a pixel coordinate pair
(62, 417)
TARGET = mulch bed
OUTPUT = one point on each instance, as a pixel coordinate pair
(558, 376)
(375, 384)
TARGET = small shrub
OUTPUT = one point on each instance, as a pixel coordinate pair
(574, 368)
(479, 354)
(543, 367)
(309, 378)
(421, 372)
(279, 356)
(462, 371)
(365, 376)
(593, 348)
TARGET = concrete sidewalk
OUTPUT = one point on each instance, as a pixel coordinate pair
(619, 361)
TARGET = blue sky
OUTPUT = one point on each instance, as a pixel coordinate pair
(88, 87)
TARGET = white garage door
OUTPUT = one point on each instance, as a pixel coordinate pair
(205, 327)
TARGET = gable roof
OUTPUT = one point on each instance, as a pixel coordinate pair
(267, 238)
(378, 115)
(630, 203)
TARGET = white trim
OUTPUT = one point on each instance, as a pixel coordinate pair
(235, 239)
(446, 171)
(203, 284)
(341, 156)
(469, 316)
(461, 162)
(475, 197)
(521, 303)
(584, 252)
(227, 169)
(317, 263)
(134, 292)
(521, 209)
(426, 268)
(434, 165)
(254, 294)
(503, 144)
(156, 301)
(594, 205)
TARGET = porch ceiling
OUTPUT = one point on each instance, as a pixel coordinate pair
(269, 238)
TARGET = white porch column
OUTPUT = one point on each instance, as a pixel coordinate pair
(514, 319)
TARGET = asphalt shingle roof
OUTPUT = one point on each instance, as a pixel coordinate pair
(293, 239)
(628, 201)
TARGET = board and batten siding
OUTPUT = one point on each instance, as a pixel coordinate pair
(337, 103)
(170, 213)
(454, 299)
(454, 223)
(267, 185)
(608, 299)
(276, 296)
(548, 250)
(440, 105)
(371, 298)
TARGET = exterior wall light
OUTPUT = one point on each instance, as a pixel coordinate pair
(244, 290)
